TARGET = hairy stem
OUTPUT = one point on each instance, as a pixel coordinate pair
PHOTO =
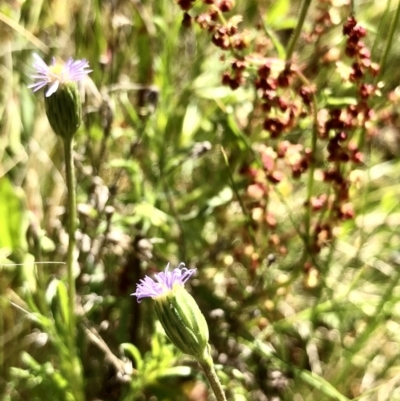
(72, 216)
(76, 371)
(209, 370)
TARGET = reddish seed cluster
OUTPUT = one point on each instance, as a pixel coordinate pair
(321, 236)
(337, 126)
(280, 110)
(283, 100)
(278, 165)
(357, 50)
(224, 33)
(336, 129)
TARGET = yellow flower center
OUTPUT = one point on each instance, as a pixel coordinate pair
(57, 73)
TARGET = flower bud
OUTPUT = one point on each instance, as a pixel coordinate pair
(62, 98)
(183, 322)
(177, 310)
(64, 110)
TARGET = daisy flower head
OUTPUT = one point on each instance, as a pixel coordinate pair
(57, 74)
(163, 282)
(62, 97)
(177, 310)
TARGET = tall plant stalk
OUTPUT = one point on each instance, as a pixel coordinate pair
(305, 5)
(72, 224)
(76, 374)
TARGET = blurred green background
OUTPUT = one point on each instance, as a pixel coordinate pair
(159, 164)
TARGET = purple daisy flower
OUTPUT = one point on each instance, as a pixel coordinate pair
(57, 74)
(162, 282)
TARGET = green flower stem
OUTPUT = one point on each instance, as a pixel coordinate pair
(72, 216)
(314, 150)
(296, 34)
(41, 279)
(76, 373)
(208, 368)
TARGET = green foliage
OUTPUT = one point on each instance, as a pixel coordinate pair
(13, 218)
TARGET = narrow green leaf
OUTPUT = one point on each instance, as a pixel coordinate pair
(62, 296)
(134, 353)
(320, 384)
(13, 217)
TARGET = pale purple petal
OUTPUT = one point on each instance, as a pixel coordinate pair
(162, 282)
(39, 76)
(69, 62)
(54, 86)
(39, 63)
(38, 85)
